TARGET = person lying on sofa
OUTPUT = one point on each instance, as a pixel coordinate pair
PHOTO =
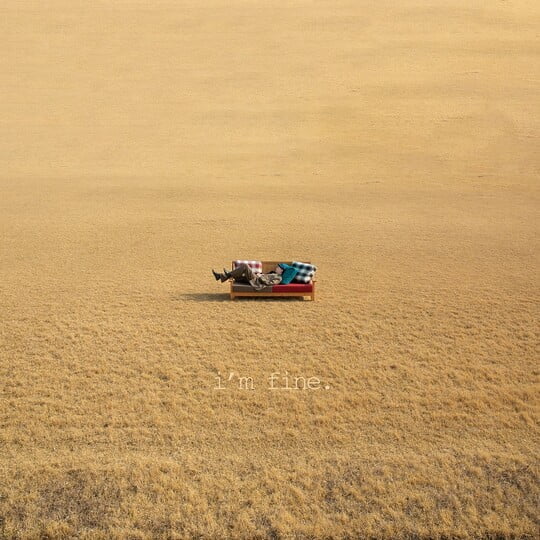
(282, 273)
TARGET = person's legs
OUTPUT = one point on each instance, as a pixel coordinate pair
(241, 271)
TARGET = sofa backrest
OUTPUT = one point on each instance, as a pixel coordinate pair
(268, 266)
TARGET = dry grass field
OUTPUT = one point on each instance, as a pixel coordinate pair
(395, 143)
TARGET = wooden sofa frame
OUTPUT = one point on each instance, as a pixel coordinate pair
(268, 266)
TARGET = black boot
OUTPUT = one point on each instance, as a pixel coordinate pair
(216, 275)
(226, 273)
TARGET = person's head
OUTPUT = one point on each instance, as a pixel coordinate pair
(278, 270)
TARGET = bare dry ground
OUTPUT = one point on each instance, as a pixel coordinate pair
(395, 143)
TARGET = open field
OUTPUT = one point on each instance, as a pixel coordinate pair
(395, 143)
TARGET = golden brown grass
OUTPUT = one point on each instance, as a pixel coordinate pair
(393, 143)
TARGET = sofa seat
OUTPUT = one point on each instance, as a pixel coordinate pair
(246, 287)
(291, 287)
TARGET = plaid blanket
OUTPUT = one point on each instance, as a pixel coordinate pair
(256, 266)
(305, 272)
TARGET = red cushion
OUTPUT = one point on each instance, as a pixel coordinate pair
(293, 287)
